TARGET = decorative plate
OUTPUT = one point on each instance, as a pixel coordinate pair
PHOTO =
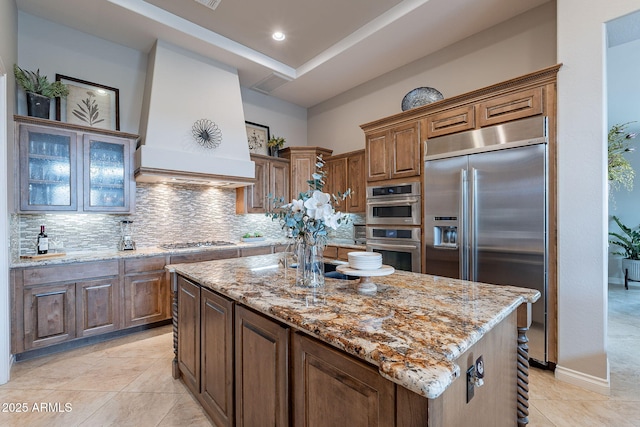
(420, 96)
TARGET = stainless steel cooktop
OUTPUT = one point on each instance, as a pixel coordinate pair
(196, 244)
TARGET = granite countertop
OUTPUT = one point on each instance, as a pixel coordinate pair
(413, 328)
(87, 256)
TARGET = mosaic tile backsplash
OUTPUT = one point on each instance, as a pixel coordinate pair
(165, 213)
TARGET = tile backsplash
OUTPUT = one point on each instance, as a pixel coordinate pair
(165, 213)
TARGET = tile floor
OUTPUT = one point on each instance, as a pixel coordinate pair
(127, 382)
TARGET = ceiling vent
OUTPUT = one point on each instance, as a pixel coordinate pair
(211, 4)
(270, 83)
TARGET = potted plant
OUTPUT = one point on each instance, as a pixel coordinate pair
(275, 143)
(629, 241)
(620, 171)
(39, 91)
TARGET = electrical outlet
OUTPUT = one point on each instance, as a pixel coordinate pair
(471, 373)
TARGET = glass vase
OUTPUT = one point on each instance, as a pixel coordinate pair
(310, 271)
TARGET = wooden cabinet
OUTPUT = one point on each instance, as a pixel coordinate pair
(336, 181)
(272, 178)
(511, 106)
(302, 161)
(57, 303)
(97, 306)
(393, 153)
(189, 333)
(216, 363)
(204, 256)
(258, 250)
(337, 252)
(262, 370)
(49, 315)
(63, 167)
(347, 171)
(146, 291)
(234, 361)
(337, 389)
(450, 121)
(356, 181)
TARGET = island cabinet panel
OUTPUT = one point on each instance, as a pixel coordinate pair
(493, 403)
(189, 333)
(217, 374)
(49, 315)
(331, 388)
(262, 370)
(97, 306)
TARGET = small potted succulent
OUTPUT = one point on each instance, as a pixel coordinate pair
(275, 143)
(39, 91)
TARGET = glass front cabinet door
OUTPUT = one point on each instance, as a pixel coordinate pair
(48, 169)
(106, 174)
(65, 167)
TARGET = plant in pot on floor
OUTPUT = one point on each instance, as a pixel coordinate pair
(39, 91)
(629, 241)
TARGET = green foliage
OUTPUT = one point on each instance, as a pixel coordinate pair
(276, 141)
(629, 241)
(34, 82)
(620, 171)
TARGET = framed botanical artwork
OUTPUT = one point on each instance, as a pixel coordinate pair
(257, 137)
(89, 104)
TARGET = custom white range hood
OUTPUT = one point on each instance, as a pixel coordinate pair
(181, 88)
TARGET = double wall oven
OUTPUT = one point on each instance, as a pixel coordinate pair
(393, 224)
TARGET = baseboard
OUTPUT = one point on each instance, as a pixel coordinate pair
(586, 381)
(616, 280)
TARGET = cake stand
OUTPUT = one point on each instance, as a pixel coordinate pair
(365, 284)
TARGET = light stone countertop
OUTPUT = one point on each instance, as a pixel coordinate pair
(87, 256)
(413, 328)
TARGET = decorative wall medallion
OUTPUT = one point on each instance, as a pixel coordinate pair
(206, 133)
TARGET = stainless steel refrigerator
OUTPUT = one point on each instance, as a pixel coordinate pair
(485, 211)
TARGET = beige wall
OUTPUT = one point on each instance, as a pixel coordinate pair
(521, 45)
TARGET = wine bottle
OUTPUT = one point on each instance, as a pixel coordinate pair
(43, 242)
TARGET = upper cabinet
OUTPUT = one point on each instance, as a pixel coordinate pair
(272, 177)
(303, 164)
(394, 152)
(347, 171)
(71, 168)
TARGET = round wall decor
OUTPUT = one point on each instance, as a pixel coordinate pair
(206, 133)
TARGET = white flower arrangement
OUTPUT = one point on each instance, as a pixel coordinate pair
(306, 218)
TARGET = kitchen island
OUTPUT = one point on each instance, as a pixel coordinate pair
(250, 345)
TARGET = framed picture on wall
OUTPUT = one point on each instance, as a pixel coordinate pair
(257, 137)
(89, 104)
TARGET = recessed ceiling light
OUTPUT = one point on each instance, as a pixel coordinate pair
(278, 35)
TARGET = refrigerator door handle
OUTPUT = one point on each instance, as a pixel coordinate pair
(462, 235)
(473, 225)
